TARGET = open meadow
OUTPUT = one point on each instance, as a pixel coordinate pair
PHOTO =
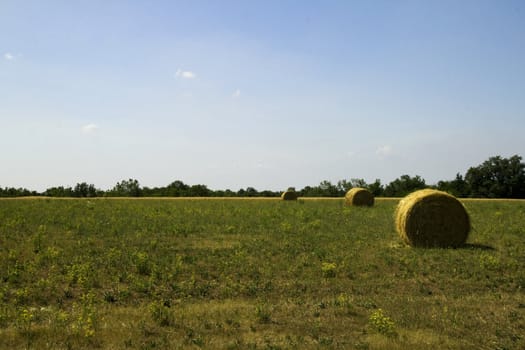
(253, 274)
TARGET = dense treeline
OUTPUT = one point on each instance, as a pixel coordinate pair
(497, 177)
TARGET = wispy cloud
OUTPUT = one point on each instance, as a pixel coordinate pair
(185, 74)
(236, 93)
(384, 151)
(90, 128)
(9, 56)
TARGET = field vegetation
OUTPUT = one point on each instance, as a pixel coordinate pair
(253, 274)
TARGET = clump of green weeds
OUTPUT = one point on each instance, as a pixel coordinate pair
(86, 317)
(343, 299)
(489, 262)
(382, 324)
(329, 269)
(142, 263)
(80, 273)
(263, 313)
(162, 313)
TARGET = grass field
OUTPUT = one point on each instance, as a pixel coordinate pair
(253, 274)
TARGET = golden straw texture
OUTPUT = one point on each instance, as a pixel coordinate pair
(430, 218)
(359, 197)
(289, 196)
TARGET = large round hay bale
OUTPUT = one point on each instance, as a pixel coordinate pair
(359, 197)
(431, 218)
(289, 196)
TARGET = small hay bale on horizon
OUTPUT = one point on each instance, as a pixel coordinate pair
(358, 196)
(289, 196)
(431, 218)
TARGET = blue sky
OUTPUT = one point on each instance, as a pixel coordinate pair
(268, 94)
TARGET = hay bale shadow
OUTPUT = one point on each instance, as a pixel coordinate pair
(477, 246)
(473, 246)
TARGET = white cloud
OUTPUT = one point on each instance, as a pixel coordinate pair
(185, 74)
(90, 128)
(384, 151)
(236, 93)
(9, 56)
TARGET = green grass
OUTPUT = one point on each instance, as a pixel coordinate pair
(253, 274)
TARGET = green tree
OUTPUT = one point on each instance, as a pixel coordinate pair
(176, 189)
(199, 191)
(127, 188)
(59, 191)
(403, 185)
(269, 193)
(251, 192)
(327, 189)
(358, 183)
(376, 188)
(225, 193)
(308, 191)
(344, 186)
(17, 192)
(84, 189)
(457, 187)
(497, 177)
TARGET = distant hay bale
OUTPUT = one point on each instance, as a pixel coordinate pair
(359, 197)
(431, 218)
(289, 196)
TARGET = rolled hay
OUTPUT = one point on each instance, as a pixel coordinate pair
(431, 218)
(289, 196)
(359, 197)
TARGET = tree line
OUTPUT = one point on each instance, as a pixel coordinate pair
(497, 177)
